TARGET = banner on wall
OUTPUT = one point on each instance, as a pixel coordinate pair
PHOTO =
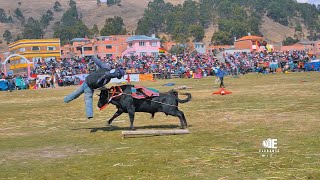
(41, 77)
(82, 77)
(133, 78)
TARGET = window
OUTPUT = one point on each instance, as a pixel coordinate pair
(22, 49)
(142, 43)
(154, 44)
(108, 46)
(143, 54)
(154, 54)
(35, 48)
(130, 44)
(87, 48)
(51, 48)
(96, 48)
(108, 55)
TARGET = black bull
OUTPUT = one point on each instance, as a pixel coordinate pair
(165, 102)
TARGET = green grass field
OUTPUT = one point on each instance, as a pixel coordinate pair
(43, 138)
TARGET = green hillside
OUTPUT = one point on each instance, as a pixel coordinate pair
(235, 18)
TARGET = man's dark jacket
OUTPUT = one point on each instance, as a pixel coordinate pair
(100, 77)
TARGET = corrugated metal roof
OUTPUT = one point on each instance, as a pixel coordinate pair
(79, 40)
(141, 37)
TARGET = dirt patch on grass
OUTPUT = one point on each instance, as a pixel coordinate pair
(45, 153)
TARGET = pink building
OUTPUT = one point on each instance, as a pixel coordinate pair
(142, 46)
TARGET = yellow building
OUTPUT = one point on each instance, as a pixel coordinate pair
(33, 50)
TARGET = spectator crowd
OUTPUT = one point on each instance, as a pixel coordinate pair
(165, 66)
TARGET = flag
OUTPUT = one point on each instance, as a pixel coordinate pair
(162, 50)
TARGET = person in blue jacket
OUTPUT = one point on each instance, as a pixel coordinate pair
(94, 81)
(221, 73)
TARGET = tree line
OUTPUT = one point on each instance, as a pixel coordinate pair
(183, 22)
(234, 18)
(70, 25)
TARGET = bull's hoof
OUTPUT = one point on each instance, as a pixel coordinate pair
(132, 129)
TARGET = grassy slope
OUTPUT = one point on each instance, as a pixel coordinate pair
(131, 11)
(42, 138)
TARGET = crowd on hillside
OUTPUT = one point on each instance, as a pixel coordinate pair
(164, 66)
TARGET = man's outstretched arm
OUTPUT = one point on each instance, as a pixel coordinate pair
(99, 63)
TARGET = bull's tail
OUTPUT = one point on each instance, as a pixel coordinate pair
(185, 100)
(174, 92)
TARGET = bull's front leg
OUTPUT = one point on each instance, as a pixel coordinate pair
(117, 114)
(131, 112)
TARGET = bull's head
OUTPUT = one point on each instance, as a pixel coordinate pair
(103, 98)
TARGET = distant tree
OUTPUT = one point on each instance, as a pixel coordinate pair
(144, 26)
(17, 38)
(57, 6)
(7, 36)
(70, 26)
(177, 49)
(72, 3)
(19, 14)
(70, 17)
(180, 33)
(32, 30)
(279, 11)
(206, 14)
(95, 30)
(113, 26)
(222, 38)
(46, 18)
(153, 20)
(197, 32)
(3, 16)
(112, 2)
(298, 28)
(9, 19)
(163, 39)
(98, 2)
(289, 41)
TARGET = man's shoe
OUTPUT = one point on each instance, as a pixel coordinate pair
(90, 118)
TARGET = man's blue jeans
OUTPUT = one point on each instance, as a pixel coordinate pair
(88, 93)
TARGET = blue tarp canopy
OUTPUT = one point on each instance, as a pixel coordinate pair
(20, 84)
(3, 85)
(312, 66)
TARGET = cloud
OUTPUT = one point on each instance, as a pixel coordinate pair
(302, 1)
(309, 1)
